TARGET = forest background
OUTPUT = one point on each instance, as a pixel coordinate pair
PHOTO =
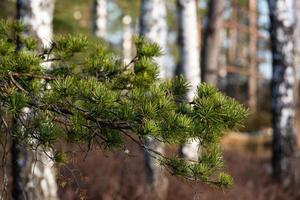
(247, 153)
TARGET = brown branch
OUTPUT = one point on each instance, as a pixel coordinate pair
(132, 61)
(45, 77)
(16, 83)
(51, 59)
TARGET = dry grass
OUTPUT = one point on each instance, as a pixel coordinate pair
(114, 176)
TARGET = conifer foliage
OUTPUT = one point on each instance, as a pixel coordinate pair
(92, 98)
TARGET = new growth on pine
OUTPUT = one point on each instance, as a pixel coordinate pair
(90, 97)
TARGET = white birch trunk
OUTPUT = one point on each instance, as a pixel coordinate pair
(153, 26)
(36, 168)
(127, 40)
(189, 60)
(189, 44)
(100, 18)
(283, 82)
(37, 16)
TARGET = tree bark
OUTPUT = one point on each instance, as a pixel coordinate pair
(157, 182)
(35, 174)
(4, 8)
(252, 83)
(212, 42)
(189, 63)
(100, 18)
(17, 185)
(188, 39)
(233, 35)
(153, 26)
(231, 52)
(282, 86)
(297, 47)
(127, 40)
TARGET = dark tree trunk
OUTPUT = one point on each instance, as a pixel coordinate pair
(17, 191)
(212, 42)
(4, 8)
(282, 86)
(252, 82)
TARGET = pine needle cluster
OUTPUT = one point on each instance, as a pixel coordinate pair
(90, 97)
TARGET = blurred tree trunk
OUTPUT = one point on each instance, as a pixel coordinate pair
(100, 18)
(153, 26)
(282, 86)
(16, 155)
(33, 171)
(212, 42)
(188, 39)
(4, 8)
(252, 83)
(127, 40)
(233, 35)
(232, 51)
(297, 48)
(189, 63)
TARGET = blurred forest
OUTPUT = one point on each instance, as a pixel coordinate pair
(236, 54)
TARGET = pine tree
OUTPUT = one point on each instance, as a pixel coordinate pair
(189, 64)
(33, 170)
(154, 27)
(282, 86)
(94, 99)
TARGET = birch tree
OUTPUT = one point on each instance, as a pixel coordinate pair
(282, 86)
(127, 39)
(153, 26)
(103, 102)
(34, 174)
(212, 42)
(100, 18)
(189, 64)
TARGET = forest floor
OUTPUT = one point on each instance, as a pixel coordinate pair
(118, 176)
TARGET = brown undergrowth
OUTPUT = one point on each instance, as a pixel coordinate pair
(118, 176)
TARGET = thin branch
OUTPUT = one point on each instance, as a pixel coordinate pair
(16, 83)
(51, 60)
(132, 61)
(30, 75)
